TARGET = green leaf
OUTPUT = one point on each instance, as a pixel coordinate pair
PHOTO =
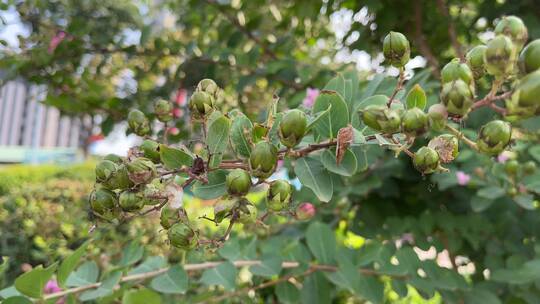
(17, 300)
(150, 264)
(535, 152)
(214, 188)
(217, 137)
(69, 264)
(141, 296)
(372, 87)
(86, 274)
(370, 288)
(224, 275)
(315, 290)
(106, 288)
(342, 87)
(287, 293)
(31, 283)
(347, 167)
(349, 278)
(527, 273)
(9, 292)
(416, 98)
(321, 241)
(338, 117)
(371, 100)
(491, 192)
(479, 204)
(313, 175)
(173, 158)
(131, 254)
(174, 281)
(268, 267)
(400, 287)
(526, 201)
(241, 131)
(481, 296)
(318, 117)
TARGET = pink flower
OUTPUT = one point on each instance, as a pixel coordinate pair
(173, 131)
(462, 178)
(280, 164)
(56, 40)
(52, 287)
(503, 157)
(177, 112)
(311, 95)
(181, 96)
(305, 211)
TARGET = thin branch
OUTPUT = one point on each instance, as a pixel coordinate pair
(443, 9)
(399, 87)
(420, 39)
(462, 137)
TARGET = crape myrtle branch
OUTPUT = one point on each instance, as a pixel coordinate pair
(208, 265)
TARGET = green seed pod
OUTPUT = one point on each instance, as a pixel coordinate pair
(248, 214)
(163, 110)
(475, 60)
(528, 91)
(208, 86)
(414, 122)
(114, 158)
(169, 217)
(279, 195)
(152, 191)
(514, 28)
(150, 149)
(499, 55)
(447, 147)
(201, 104)
(455, 70)
(292, 127)
(457, 97)
(529, 167)
(494, 137)
(263, 159)
(396, 49)
(182, 236)
(141, 170)
(119, 180)
(380, 118)
(238, 182)
(511, 167)
(437, 116)
(223, 208)
(138, 123)
(131, 201)
(103, 200)
(512, 191)
(529, 59)
(105, 170)
(426, 160)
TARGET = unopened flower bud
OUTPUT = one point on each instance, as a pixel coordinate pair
(141, 170)
(238, 182)
(201, 104)
(438, 116)
(119, 180)
(414, 122)
(457, 97)
(305, 211)
(114, 158)
(131, 201)
(455, 70)
(514, 28)
(529, 59)
(263, 159)
(182, 236)
(138, 123)
(511, 167)
(426, 160)
(292, 127)
(163, 110)
(105, 169)
(103, 200)
(150, 149)
(208, 86)
(279, 195)
(475, 60)
(382, 119)
(396, 49)
(529, 167)
(169, 217)
(499, 55)
(494, 137)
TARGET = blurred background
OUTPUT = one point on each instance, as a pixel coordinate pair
(70, 70)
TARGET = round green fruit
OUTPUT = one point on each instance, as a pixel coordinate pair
(494, 137)
(475, 60)
(514, 28)
(208, 86)
(529, 167)
(201, 104)
(292, 127)
(380, 118)
(455, 70)
(279, 195)
(131, 201)
(414, 122)
(426, 160)
(238, 182)
(120, 180)
(114, 158)
(163, 110)
(150, 149)
(141, 170)
(182, 236)
(169, 217)
(105, 170)
(138, 123)
(529, 59)
(499, 55)
(511, 167)
(437, 116)
(396, 49)
(263, 159)
(103, 200)
(457, 97)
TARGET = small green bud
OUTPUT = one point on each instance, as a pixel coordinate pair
(396, 49)
(182, 236)
(131, 201)
(119, 180)
(511, 167)
(457, 97)
(494, 137)
(114, 158)
(105, 170)
(446, 145)
(201, 104)
(528, 90)
(437, 116)
(103, 200)
(169, 217)
(475, 60)
(499, 55)
(512, 191)
(529, 167)
(208, 86)
(380, 118)
(279, 195)
(455, 70)
(514, 28)
(248, 214)
(163, 110)
(138, 123)
(426, 160)
(414, 122)
(141, 170)
(263, 159)
(529, 59)
(292, 127)
(223, 208)
(150, 149)
(238, 182)
(152, 191)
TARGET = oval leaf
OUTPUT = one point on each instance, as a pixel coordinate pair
(268, 267)
(32, 282)
(416, 98)
(338, 117)
(241, 135)
(313, 175)
(214, 188)
(224, 275)
(347, 167)
(173, 158)
(321, 241)
(174, 281)
(69, 264)
(217, 137)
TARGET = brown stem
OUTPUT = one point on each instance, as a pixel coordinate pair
(443, 9)
(420, 39)
(462, 137)
(398, 88)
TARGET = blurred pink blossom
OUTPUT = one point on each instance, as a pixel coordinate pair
(181, 96)
(280, 163)
(462, 178)
(173, 131)
(52, 287)
(177, 112)
(311, 95)
(56, 40)
(503, 157)
(305, 211)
